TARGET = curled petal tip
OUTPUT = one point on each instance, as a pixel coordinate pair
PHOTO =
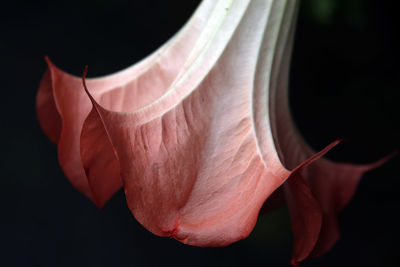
(48, 61)
(383, 160)
(317, 155)
(85, 70)
(84, 74)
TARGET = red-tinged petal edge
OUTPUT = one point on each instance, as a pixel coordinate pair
(305, 210)
(334, 191)
(68, 118)
(73, 106)
(305, 215)
(332, 185)
(46, 109)
(98, 157)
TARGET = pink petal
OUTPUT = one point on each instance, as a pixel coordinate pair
(96, 173)
(73, 107)
(190, 160)
(99, 160)
(46, 109)
(305, 210)
(334, 191)
(305, 214)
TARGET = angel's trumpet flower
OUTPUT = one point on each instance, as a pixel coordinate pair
(200, 133)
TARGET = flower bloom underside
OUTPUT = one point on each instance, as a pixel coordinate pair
(199, 133)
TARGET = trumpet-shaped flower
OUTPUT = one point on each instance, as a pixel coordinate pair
(200, 134)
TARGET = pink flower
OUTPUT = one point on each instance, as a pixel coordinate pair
(200, 134)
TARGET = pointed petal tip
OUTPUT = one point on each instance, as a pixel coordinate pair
(84, 75)
(49, 63)
(317, 155)
(85, 71)
(54, 70)
(99, 205)
(294, 263)
(382, 161)
(326, 241)
(98, 156)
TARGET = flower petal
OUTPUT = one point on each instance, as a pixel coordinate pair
(334, 185)
(98, 178)
(46, 109)
(190, 160)
(73, 108)
(305, 210)
(99, 160)
(305, 214)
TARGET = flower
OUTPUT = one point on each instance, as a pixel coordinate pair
(200, 134)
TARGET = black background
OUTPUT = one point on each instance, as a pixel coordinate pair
(345, 82)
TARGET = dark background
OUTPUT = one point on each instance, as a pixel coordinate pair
(345, 82)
